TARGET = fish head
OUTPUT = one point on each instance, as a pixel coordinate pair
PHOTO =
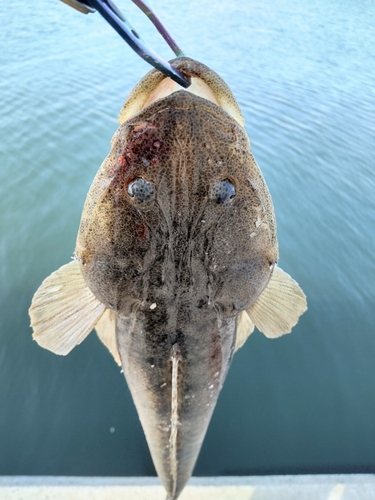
(179, 207)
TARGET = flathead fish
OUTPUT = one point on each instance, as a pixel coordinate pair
(175, 261)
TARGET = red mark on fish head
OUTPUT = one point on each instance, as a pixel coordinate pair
(124, 163)
(141, 230)
(144, 146)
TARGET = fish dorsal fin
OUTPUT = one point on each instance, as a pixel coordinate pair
(244, 328)
(279, 306)
(64, 310)
(106, 330)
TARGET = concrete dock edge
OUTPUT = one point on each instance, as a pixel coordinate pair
(301, 487)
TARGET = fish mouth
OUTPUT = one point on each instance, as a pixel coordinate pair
(205, 83)
(168, 86)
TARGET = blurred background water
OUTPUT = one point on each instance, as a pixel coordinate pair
(304, 76)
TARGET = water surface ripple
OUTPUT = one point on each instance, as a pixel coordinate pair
(304, 76)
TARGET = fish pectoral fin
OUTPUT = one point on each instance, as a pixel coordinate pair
(245, 327)
(64, 310)
(279, 306)
(106, 330)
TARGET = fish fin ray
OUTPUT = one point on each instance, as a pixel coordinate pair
(63, 310)
(279, 306)
(106, 330)
(245, 327)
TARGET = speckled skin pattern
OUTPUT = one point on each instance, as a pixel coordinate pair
(179, 266)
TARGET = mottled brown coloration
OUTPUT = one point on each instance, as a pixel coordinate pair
(198, 145)
(178, 241)
(200, 262)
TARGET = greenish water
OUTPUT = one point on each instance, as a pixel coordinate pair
(304, 76)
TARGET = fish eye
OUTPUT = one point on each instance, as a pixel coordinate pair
(223, 192)
(141, 190)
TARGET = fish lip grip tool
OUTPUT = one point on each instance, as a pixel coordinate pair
(112, 14)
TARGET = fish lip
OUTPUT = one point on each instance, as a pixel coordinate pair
(190, 67)
(223, 95)
(184, 100)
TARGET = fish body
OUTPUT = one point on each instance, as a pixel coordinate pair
(175, 261)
